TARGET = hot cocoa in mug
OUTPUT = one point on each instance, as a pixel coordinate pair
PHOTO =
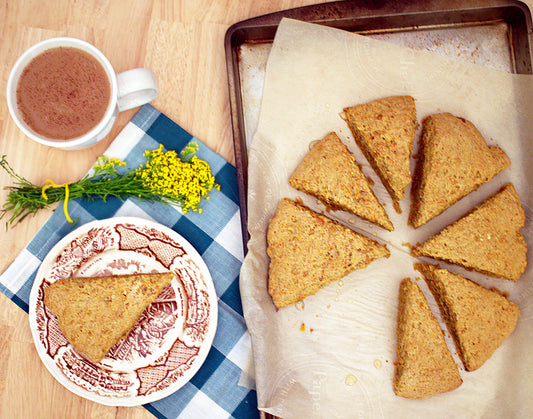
(63, 92)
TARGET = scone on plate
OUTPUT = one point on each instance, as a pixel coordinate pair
(424, 365)
(308, 251)
(330, 173)
(384, 130)
(95, 313)
(479, 319)
(454, 160)
(487, 239)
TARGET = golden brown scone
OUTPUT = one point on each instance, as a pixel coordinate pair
(454, 160)
(330, 173)
(478, 319)
(487, 239)
(308, 251)
(384, 130)
(424, 365)
(95, 313)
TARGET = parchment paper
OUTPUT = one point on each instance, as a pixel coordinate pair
(333, 355)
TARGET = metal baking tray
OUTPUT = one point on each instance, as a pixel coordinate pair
(495, 33)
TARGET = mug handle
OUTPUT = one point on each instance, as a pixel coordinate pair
(135, 88)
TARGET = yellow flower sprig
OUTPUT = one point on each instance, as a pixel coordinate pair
(165, 177)
(187, 178)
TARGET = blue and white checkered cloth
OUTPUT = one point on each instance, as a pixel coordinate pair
(214, 391)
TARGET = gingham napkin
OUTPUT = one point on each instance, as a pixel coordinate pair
(214, 390)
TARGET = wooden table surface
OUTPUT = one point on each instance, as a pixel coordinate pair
(183, 43)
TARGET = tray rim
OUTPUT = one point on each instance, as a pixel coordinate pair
(330, 14)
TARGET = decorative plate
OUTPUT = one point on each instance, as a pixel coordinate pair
(173, 336)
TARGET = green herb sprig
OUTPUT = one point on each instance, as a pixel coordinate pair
(164, 177)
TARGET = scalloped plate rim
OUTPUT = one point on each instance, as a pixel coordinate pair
(130, 400)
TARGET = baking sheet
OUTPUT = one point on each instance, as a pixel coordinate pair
(334, 354)
(489, 32)
(486, 45)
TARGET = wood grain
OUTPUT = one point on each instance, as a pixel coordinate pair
(183, 43)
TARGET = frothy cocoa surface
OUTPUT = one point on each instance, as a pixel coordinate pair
(63, 93)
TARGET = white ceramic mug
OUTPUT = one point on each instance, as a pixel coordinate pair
(128, 89)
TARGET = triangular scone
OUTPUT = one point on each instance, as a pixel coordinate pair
(330, 173)
(478, 319)
(454, 160)
(384, 130)
(487, 239)
(308, 251)
(95, 313)
(424, 365)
